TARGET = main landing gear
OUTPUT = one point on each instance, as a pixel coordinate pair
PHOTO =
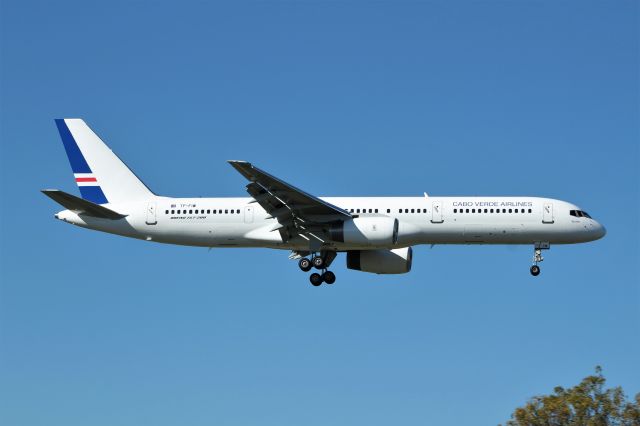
(326, 277)
(537, 257)
(320, 262)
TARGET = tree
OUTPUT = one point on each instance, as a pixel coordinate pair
(587, 404)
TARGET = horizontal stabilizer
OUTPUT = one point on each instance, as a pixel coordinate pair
(71, 202)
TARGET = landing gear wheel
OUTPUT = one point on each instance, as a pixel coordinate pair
(305, 264)
(318, 262)
(535, 270)
(329, 277)
(316, 279)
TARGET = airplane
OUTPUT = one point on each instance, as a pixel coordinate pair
(376, 233)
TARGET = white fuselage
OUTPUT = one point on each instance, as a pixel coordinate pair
(239, 222)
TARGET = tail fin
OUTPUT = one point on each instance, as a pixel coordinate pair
(101, 176)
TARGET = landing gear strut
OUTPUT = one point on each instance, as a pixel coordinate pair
(321, 262)
(537, 257)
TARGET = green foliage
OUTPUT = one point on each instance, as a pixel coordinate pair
(587, 404)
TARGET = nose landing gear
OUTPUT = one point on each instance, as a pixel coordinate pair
(535, 270)
(537, 257)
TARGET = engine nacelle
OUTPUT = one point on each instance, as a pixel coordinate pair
(397, 261)
(378, 230)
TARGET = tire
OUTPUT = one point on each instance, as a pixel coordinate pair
(535, 270)
(329, 277)
(305, 264)
(315, 279)
(318, 262)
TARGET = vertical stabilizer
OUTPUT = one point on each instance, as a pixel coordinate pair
(100, 175)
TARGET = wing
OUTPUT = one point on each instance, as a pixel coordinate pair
(297, 212)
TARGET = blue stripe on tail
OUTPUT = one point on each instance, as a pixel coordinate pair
(93, 194)
(76, 159)
(79, 164)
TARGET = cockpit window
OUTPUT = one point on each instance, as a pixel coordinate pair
(579, 213)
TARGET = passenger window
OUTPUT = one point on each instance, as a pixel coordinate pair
(467, 211)
(238, 211)
(358, 211)
(190, 211)
(455, 210)
(406, 210)
(510, 211)
(504, 210)
(208, 211)
(351, 211)
(376, 210)
(491, 210)
(413, 210)
(172, 211)
(529, 210)
(473, 210)
(226, 211)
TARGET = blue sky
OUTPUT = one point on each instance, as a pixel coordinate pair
(339, 98)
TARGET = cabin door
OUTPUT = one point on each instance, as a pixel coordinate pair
(547, 213)
(151, 214)
(248, 214)
(436, 212)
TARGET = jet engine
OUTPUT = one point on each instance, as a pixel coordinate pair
(397, 261)
(366, 231)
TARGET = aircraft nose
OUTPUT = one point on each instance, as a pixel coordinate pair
(599, 231)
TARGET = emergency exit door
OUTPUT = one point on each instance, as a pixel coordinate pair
(151, 214)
